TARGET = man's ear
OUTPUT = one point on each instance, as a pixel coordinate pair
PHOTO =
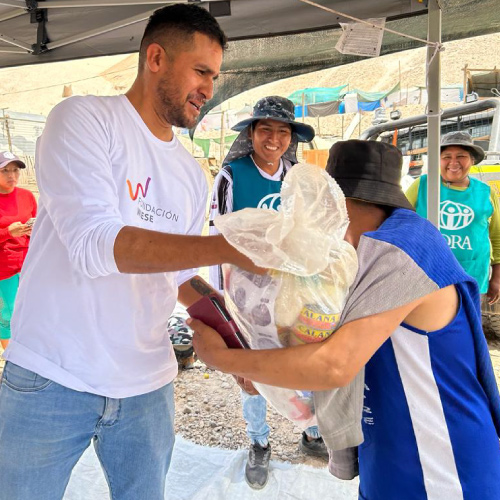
(154, 57)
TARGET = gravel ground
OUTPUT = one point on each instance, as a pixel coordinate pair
(208, 412)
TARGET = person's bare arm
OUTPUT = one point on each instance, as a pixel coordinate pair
(329, 364)
(142, 251)
(494, 284)
(194, 289)
(190, 292)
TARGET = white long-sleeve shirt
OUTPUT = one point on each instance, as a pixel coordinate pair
(78, 321)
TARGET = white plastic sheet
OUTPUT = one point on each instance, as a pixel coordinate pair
(203, 473)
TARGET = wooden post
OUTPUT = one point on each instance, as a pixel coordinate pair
(7, 131)
(465, 81)
(399, 62)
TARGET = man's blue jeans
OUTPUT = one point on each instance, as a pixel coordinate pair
(45, 428)
(254, 413)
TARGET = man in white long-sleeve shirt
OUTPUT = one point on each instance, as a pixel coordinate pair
(121, 210)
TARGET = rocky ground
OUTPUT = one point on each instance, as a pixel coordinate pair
(208, 412)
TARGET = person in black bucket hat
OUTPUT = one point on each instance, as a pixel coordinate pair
(251, 176)
(368, 171)
(469, 213)
(423, 413)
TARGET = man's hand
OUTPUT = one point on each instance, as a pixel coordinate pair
(493, 292)
(208, 344)
(242, 261)
(17, 229)
(246, 385)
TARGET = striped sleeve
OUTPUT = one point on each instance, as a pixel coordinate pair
(222, 203)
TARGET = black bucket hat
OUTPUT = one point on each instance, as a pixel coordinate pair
(463, 140)
(368, 171)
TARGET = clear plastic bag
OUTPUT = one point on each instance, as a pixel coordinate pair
(311, 268)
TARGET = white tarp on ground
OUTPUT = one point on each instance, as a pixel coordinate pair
(202, 473)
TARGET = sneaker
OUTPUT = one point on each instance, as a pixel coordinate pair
(313, 448)
(257, 468)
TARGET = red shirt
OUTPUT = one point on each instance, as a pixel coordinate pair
(18, 206)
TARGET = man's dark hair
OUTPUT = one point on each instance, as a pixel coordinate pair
(178, 23)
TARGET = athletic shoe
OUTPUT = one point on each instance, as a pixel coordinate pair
(313, 448)
(257, 468)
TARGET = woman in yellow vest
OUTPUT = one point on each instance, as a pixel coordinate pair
(469, 213)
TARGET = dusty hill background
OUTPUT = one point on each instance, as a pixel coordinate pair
(36, 89)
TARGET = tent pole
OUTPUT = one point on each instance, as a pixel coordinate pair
(434, 109)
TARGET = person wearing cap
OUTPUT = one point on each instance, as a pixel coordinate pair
(469, 212)
(251, 177)
(17, 206)
(429, 414)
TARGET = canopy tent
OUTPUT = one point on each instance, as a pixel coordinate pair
(263, 34)
(52, 30)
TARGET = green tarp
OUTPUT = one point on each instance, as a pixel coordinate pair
(204, 144)
(374, 96)
(317, 95)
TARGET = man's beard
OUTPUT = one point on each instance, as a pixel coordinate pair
(170, 106)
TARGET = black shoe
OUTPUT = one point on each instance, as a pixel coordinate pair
(313, 448)
(257, 468)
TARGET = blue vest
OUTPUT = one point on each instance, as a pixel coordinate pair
(431, 390)
(250, 189)
(464, 223)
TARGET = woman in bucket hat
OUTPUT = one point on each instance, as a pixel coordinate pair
(17, 206)
(469, 212)
(429, 414)
(251, 176)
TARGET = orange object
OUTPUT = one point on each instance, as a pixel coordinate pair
(315, 156)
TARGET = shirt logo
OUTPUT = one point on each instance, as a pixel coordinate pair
(454, 216)
(144, 191)
(270, 202)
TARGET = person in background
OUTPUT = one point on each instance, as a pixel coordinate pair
(430, 413)
(17, 206)
(251, 177)
(469, 212)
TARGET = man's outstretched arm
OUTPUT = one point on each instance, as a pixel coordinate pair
(333, 362)
(142, 251)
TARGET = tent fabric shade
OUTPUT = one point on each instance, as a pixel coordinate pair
(319, 110)
(375, 96)
(263, 35)
(317, 95)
